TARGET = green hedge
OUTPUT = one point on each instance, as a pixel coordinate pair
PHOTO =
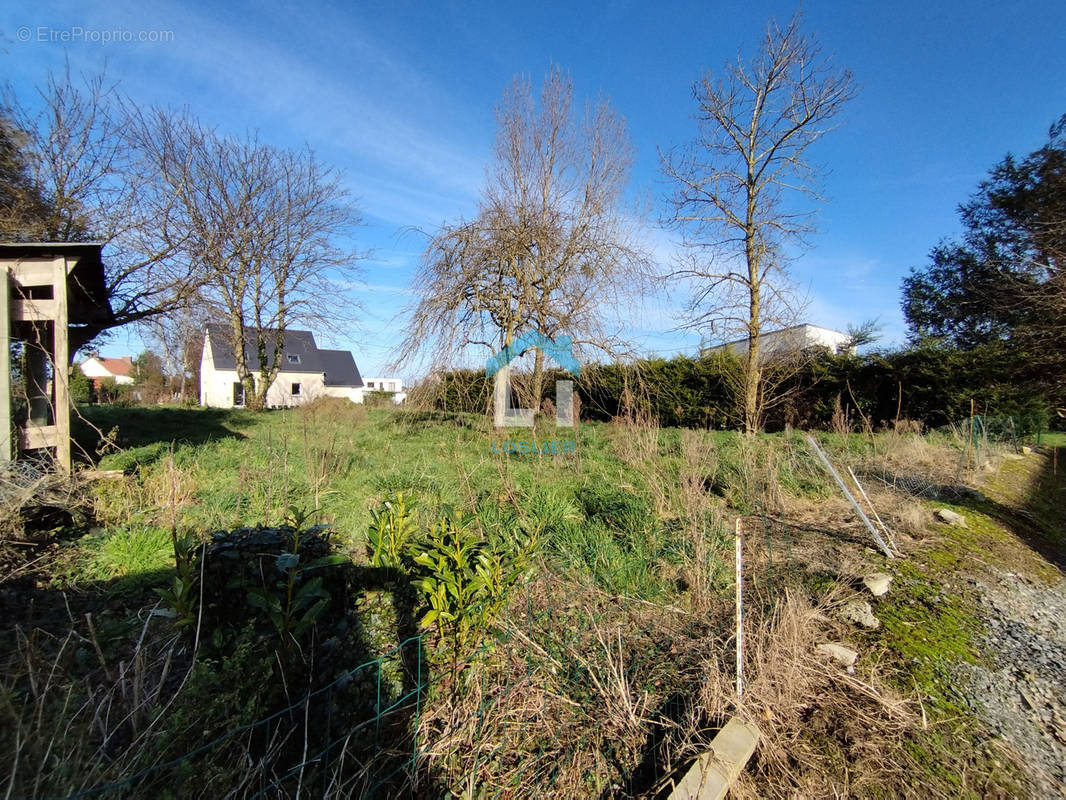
(930, 384)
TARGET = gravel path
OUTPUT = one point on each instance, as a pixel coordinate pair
(1023, 696)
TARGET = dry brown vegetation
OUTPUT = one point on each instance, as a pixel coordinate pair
(591, 685)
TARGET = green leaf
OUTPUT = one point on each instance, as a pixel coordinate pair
(257, 598)
(287, 561)
(326, 561)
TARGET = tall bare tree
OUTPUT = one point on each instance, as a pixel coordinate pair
(739, 188)
(265, 230)
(552, 248)
(86, 181)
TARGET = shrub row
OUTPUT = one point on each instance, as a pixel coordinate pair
(931, 384)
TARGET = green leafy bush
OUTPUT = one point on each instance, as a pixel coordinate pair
(464, 578)
(467, 580)
(265, 575)
(391, 530)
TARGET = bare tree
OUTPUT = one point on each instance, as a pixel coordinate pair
(552, 248)
(89, 183)
(21, 204)
(264, 231)
(739, 186)
(178, 337)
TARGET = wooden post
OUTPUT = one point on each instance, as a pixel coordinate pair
(6, 453)
(61, 363)
(972, 443)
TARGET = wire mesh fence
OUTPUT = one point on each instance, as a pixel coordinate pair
(577, 688)
(594, 682)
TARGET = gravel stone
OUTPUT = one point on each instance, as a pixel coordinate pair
(1022, 695)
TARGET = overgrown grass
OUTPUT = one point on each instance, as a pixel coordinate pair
(619, 654)
(126, 552)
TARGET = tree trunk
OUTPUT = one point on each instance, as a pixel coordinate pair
(538, 382)
(752, 371)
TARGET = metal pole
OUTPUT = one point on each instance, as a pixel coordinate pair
(854, 504)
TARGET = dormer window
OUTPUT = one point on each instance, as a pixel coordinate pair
(293, 358)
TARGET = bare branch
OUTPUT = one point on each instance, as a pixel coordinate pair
(551, 249)
(736, 185)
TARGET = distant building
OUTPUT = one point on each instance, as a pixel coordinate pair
(393, 386)
(99, 368)
(306, 371)
(787, 340)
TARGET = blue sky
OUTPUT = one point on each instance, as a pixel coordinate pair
(400, 96)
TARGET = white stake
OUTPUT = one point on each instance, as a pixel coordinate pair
(873, 510)
(740, 617)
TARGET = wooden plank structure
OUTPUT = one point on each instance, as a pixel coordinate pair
(45, 289)
(714, 771)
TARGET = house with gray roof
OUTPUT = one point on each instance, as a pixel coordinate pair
(306, 372)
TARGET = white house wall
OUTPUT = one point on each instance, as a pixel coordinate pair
(91, 368)
(347, 392)
(383, 384)
(216, 388)
(280, 393)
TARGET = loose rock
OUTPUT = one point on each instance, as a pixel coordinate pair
(951, 517)
(844, 656)
(860, 613)
(877, 583)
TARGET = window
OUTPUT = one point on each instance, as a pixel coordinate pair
(238, 394)
(293, 358)
(296, 390)
(370, 384)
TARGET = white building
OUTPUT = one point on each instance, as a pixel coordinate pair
(306, 371)
(787, 340)
(392, 385)
(118, 369)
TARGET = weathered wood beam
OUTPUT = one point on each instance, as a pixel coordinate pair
(6, 423)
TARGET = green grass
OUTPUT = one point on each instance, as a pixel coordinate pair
(131, 556)
(243, 469)
(1053, 439)
(610, 514)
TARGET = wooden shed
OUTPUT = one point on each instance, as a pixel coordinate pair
(45, 290)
